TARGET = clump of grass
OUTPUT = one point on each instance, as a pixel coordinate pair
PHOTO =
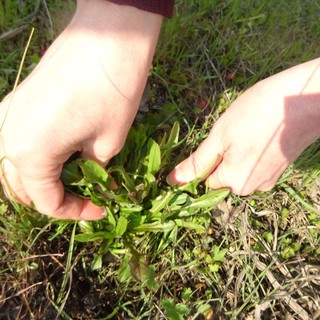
(136, 197)
(17, 18)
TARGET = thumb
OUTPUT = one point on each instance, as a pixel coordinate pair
(49, 198)
(199, 164)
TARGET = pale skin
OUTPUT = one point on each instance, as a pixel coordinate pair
(260, 135)
(84, 95)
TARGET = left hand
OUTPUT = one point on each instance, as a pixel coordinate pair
(82, 97)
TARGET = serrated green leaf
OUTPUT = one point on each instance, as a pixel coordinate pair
(110, 217)
(100, 235)
(268, 236)
(139, 267)
(182, 309)
(186, 294)
(155, 227)
(124, 178)
(189, 225)
(93, 172)
(190, 187)
(86, 226)
(167, 303)
(121, 227)
(97, 262)
(153, 157)
(160, 202)
(179, 199)
(166, 147)
(218, 253)
(174, 311)
(214, 267)
(124, 271)
(70, 174)
(208, 200)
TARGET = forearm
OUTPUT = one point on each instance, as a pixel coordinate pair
(164, 8)
(294, 98)
(121, 36)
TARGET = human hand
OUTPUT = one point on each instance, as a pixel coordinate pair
(261, 133)
(82, 97)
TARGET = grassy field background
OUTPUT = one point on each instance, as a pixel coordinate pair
(254, 257)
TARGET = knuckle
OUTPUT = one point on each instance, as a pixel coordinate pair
(113, 150)
(104, 157)
(18, 151)
(241, 187)
(266, 186)
(237, 184)
(102, 150)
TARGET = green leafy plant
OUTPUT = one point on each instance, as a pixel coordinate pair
(175, 311)
(136, 198)
(289, 248)
(216, 258)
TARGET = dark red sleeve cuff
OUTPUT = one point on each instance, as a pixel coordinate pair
(164, 7)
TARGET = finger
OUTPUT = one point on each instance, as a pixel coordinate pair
(217, 179)
(49, 198)
(199, 165)
(12, 184)
(268, 184)
(100, 150)
(237, 180)
(194, 167)
(265, 187)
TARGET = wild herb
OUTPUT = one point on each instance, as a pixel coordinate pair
(136, 198)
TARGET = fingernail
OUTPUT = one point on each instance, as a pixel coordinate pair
(169, 180)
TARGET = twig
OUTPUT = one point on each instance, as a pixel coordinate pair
(216, 71)
(17, 78)
(22, 291)
(299, 311)
(49, 16)
(12, 33)
(43, 255)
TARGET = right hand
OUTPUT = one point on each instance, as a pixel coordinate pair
(82, 97)
(260, 135)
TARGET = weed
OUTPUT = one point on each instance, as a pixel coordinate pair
(136, 198)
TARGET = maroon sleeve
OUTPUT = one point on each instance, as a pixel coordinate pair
(163, 7)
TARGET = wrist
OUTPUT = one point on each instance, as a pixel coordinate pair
(124, 39)
(299, 90)
(107, 18)
(302, 102)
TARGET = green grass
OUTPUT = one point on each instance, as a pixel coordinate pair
(254, 257)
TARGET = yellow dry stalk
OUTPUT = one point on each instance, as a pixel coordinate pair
(5, 184)
(18, 76)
